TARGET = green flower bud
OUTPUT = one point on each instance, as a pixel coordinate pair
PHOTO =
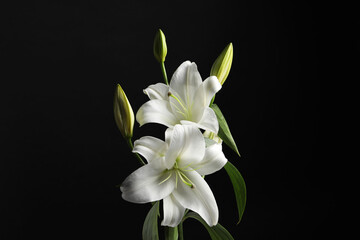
(160, 48)
(222, 64)
(123, 113)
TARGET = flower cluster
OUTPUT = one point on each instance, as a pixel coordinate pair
(175, 167)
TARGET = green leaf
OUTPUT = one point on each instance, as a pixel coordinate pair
(150, 228)
(239, 187)
(224, 131)
(171, 233)
(216, 232)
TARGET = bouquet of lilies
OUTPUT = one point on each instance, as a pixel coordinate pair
(173, 169)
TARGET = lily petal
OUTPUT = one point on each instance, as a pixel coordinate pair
(156, 111)
(157, 91)
(186, 81)
(187, 144)
(168, 135)
(147, 184)
(213, 160)
(193, 150)
(173, 211)
(211, 86)
(176, 142)
(203, 97)
(150, 148)
(200, 198)
(208, 121)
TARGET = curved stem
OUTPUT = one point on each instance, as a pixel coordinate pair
(212, 101)
(180, 231)
(180, 227)
(171, 233)
(163, 71)
(129, 142)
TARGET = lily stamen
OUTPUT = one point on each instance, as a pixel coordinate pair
(167, 178)
(186, 111)
(185, 179)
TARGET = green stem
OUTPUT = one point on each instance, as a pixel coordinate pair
(171, 233)
(212, 101)
(180, 226)
(163, 70)
(129, 142)
(180, 231)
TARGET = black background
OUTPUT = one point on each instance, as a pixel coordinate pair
(62, 155)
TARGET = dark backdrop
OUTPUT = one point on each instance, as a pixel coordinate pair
(62, 155)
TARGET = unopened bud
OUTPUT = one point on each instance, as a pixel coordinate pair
(222, 64)
(160, 48)
(124, 115)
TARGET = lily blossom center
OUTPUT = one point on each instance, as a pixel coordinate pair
(179, 174)
(180, 108)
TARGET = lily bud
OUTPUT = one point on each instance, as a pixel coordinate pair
(160, 48)
(222, 64)
(123, 113)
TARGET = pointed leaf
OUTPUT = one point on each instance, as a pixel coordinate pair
(216, 232)
(239, 187)
(150, 228)
(224, 131)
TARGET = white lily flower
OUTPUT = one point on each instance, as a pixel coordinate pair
(185, 101)
(174, 173)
